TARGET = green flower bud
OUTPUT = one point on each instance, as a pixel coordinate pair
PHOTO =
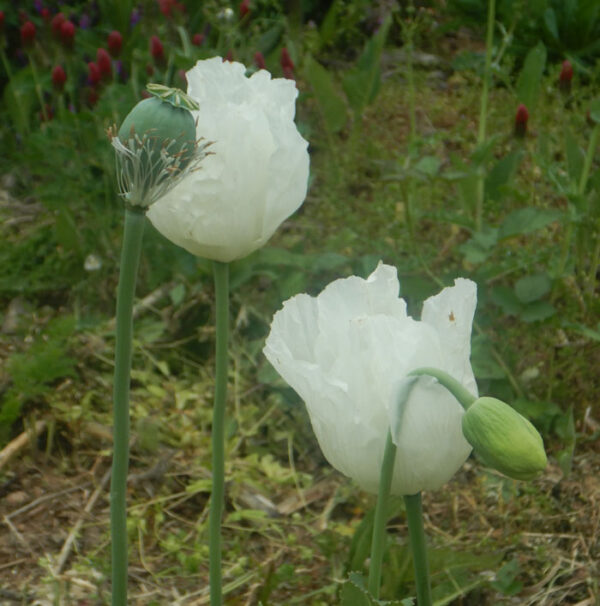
(504, 439)
(156, 145)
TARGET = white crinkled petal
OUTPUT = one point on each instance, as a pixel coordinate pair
(346, 353)
(451, 313)
(256, 175)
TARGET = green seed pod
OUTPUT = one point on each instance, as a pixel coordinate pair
(156, 145)
(164, 126)
(504, 439)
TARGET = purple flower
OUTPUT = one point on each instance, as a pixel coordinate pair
(84, 21)
(136, 15)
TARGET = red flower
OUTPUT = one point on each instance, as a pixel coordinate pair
(566, 75)
(1, 20)
(27, 33)
(244, 8)
(521, 119)
(287, 65)
(67, 33)
(168, 7)
(94, 74)
(156, 49)
(104, 63)
(259, 60)
(45, 13)
(198, 39)
(56, 23)
(115, 42)
(59, 77)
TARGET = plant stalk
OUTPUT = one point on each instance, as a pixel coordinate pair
(130, 257)
(481, 133)
(380, 519)
(418, 546)
(221, 274)
(463, 395)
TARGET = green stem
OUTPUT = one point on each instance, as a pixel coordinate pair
(464, 396)
(589, 157)
(418, 546)
(380, 520)
(221, 272)
(489, 40)
(38, 86)
(130, 256)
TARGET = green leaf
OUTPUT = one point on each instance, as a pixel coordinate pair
(537, 311)
(506, 580)
(527, 220)
(331, 105)
(575, 158)
(595, 110)
(530, 78)
(533, 287)
(502, 173)
(361, 83)
(355, 593)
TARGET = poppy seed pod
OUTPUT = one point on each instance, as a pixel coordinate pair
(504, 439)
(155, 144)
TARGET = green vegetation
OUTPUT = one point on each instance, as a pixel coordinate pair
(390, 102)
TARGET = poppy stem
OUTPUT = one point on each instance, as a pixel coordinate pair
(130, 257)
(221, 274)
(464, 396)
(418, 546)
(380, 520)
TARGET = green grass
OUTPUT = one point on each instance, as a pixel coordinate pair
(289, 517)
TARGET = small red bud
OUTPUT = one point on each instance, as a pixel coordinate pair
(59, 77)
(115, 43)
(285, 60)
(104, 63)
(521, 119)
(27, 33)
(198, 39)
(156, 49)
(229, 56)
(566, 75)
(1, 20)
(45, 13)
(94, 74)
(259, 60)
(67, 33)
(244, 8)
(146, 94)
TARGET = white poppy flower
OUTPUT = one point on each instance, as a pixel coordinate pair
(347, 353)
(256, 173)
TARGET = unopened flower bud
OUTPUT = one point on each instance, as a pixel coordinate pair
(566, 76)
(504, 439)
(156, 145)
(521, 119)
